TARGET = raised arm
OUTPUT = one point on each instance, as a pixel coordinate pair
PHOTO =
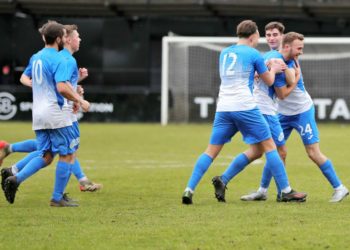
(292, 78)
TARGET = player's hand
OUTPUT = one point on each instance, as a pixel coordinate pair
(83, 73)
(76, 107)
(85, 105)
(80, 90)
(278, 67)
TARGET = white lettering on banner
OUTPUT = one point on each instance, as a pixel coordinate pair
(101, 107)
(321, 104)
(203, 105)
(25, 106)
(94, 107)
(338, 109)
(7, 109)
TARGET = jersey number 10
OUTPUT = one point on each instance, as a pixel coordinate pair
(37, 73)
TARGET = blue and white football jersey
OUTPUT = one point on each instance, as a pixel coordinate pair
(297, 102)
(46, 68)
(238, 64)
(73, 73)
(263, 94)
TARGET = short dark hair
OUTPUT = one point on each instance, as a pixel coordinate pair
(70, 28)
(42, 28)
(291, 36)
(51, 30)
(275, 25)
(246, 28)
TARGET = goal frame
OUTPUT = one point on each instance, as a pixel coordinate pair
(167, 40)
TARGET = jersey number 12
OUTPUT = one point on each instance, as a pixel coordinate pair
(228, 70)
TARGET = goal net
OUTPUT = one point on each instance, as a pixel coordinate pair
(190, 77)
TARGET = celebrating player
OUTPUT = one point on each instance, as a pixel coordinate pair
(237, 111)
(265, 97)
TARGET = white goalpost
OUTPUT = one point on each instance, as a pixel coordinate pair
(190, 77)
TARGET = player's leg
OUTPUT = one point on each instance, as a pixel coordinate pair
(17, 167)
(254, 129)
(4, 150)
(240, 162)
(34, 165)
(236, 166)
(200, 168)
(278, 138)
(85, 184)
(36, 162)
(62, 139)
(328, 170)
(307, 128)
(275, 164)
(63, 170)
(26, 146)
(37, 159)
(222, 132)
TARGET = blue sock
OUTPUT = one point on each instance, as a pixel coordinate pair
(70, 173)
(22, 163)
(31, 168)
(61, 179)
(329, 172)
(24, 146)
(275, 165)
(236, 166)
(202, 165)
(266, 177)
(76, 170)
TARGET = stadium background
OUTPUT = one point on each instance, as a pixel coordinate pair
(122, 40)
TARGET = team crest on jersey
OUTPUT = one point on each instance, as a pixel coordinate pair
(281, 137)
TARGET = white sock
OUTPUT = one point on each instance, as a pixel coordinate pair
(286, 190)
(14, 169)
(83, 179)
(262, 190)
(189, 189)
(340, 187)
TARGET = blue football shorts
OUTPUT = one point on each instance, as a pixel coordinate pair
(276, 129)
(57, 141)
(304, 123)
(76, 135)
(250, 123)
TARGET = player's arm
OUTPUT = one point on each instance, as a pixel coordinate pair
(292, 78)
(269, 76)
(68, 92)
(26, 80)
(26, 77)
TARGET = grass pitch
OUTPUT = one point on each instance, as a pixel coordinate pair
(144, 169)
